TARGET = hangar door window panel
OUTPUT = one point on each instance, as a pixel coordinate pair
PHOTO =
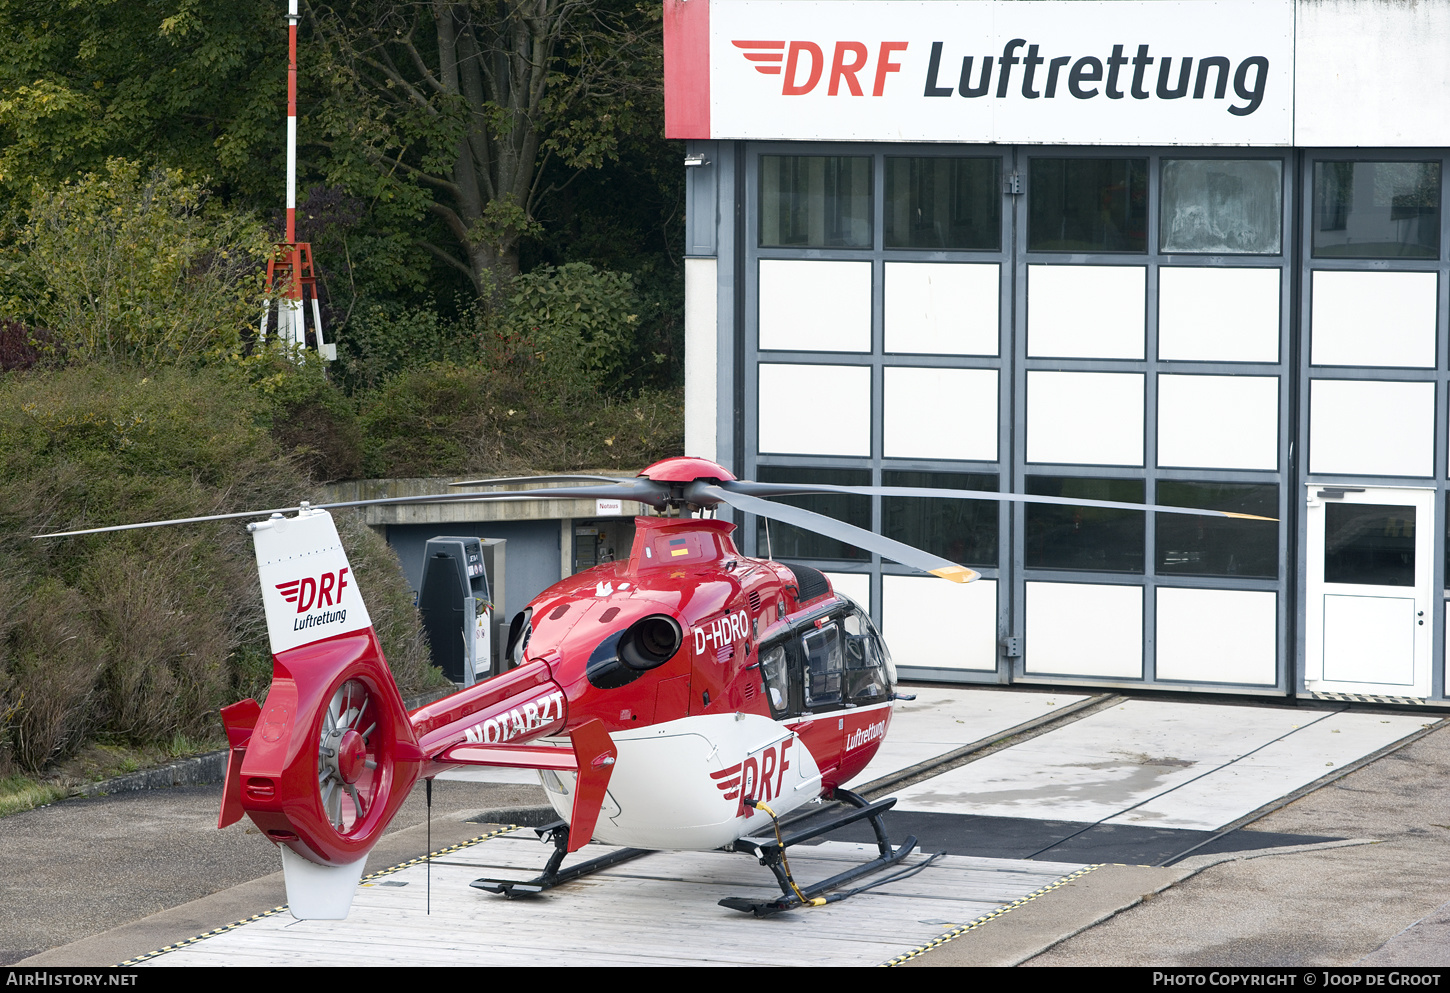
(941, 308)
(1086, 539)
(943, 203)
(1373, 319)
(1221, 206)
(1218, 315)
(1192, 545)
(1217, 636)
(1376, 210)
(815, 201)
(788, 542)
(1085, 418)
(934, 624)
(1369, 639)
(1087, 205)
(815, 409)
(940, 413)
(1371, 428)
(1218, 422)
(964, 531)
(856, 585)
(814, 306)
(1086, 311)
(1080, 629)
(1369, 544)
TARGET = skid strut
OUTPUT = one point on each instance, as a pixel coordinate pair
(771, 853)
(558, 833)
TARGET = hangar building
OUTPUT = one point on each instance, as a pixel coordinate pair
(1185, 252)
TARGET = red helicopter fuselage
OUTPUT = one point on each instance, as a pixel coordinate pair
(771, 687)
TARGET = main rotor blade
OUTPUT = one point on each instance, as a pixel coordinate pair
(564, 478)
(802, 489)
(636, 489)
(832, 528)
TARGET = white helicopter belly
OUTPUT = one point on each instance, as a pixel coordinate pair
(679, 785)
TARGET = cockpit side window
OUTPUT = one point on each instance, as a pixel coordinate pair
(824, 666)
(870, 677)
(775, 673)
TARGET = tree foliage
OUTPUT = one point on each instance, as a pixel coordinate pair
(467, 108)
(176, 83)
(136, 268)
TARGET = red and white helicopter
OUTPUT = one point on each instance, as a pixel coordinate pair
(684, 698)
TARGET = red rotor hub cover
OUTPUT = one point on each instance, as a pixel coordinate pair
(352, 753)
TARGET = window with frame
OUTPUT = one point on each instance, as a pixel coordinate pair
(815, 201)
(943, 203)
(1087, 205)
(1376, 210)
(1221, 206)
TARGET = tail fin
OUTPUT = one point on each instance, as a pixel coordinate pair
(330, 756)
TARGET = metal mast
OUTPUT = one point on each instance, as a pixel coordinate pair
(290, 267)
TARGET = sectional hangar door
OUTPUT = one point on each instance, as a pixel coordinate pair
(1181, 253)
(1166, 325)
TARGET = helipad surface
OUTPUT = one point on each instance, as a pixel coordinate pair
(657, 910)
(1141, 764)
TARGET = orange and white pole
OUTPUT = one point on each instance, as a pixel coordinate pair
(293, 305)
(292, 261)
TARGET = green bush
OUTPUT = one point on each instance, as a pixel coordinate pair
(142, 269)
(383, 340)
(139, 635)
(569, 330)
(467, 419)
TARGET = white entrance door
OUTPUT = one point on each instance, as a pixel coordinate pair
(1368, 570)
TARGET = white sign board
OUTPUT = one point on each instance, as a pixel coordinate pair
(1199, 72)
(604, 508)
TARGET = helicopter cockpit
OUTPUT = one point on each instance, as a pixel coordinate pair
(834, 660)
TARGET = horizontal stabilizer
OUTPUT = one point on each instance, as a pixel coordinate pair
(512, 757)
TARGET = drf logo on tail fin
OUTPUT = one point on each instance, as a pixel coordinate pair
(324, 591)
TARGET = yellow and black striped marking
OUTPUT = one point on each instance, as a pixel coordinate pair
(1006, 908)
(277, 910)
(1368, 698)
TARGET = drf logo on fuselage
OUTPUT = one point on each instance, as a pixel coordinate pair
(721, 632)
(758, 777)
(324, 591)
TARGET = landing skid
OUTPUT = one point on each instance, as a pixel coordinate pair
(558, 833)
(772, 855)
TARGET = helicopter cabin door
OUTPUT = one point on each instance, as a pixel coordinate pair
(1368, 577)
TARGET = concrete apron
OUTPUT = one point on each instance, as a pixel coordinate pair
(1138, 763)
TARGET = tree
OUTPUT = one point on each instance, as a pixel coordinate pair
(470, 108)
(125, 267)
(199, 86)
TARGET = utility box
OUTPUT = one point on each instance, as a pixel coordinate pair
(456, 606)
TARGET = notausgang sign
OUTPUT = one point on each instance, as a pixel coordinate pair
(1136, 72)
